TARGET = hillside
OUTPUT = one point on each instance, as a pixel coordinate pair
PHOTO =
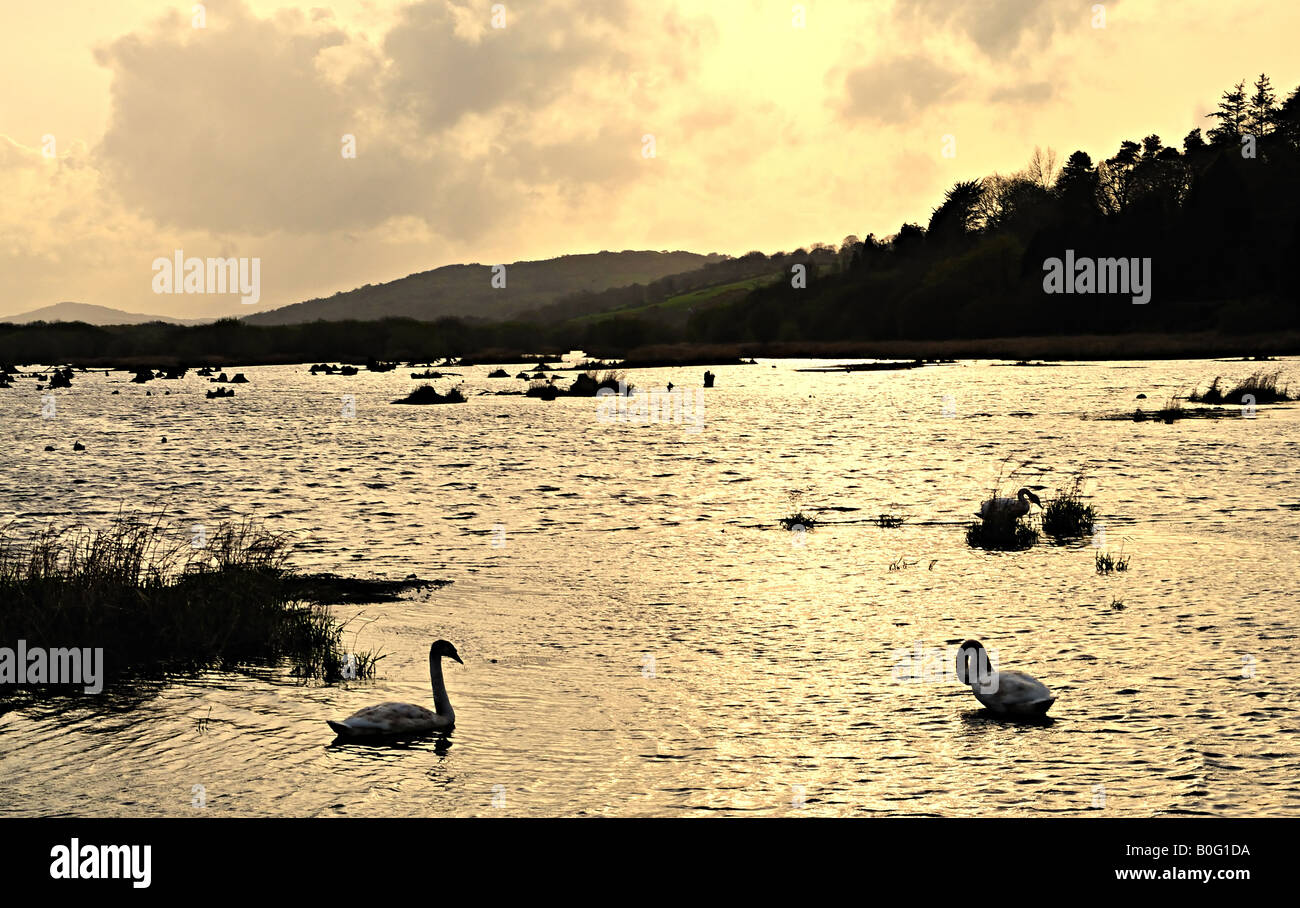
(93, 315)
(467, 291)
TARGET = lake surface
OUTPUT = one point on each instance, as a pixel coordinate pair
(642, 639)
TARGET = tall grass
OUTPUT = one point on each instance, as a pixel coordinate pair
(1065, 516)
(1262, 386)
(1169, 413)
(1108, 563)
(143, 590)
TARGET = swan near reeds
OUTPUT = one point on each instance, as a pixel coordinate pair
(1005, 693)
(1010, 508)
(393, 720)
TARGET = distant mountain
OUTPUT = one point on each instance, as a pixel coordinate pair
(93, 315)
(467, 290)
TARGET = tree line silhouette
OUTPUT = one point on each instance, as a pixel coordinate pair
(1218, 218)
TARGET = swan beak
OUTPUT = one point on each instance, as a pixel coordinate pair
(457, 658)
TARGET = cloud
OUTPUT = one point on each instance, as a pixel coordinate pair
(236, 127)
(1024, 93)
(444, 63)
(895, 90)
(240, 126)
(997, 27)
(988, 35)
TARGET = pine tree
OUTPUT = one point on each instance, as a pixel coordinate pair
(1287, 118)
(1231, 115)
(1263, 107)
(956, 216)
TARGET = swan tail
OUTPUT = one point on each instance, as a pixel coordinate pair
(340, 729)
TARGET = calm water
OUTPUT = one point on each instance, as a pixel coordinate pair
(641, 639)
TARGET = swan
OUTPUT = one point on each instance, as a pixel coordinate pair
(1013, 508)
(388, 720)
(1005, 693)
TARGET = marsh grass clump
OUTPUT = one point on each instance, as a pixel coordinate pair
(546, 390)
(1065, 516)
(156, 601)
(427, 394)
(1169, 413)
(1214, 394)
(1108, 563)
(590, 383)
(1262, 386)
(1001, 532)
(1172, 410)
(798, 519)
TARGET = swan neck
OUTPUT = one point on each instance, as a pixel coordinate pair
(441, 702)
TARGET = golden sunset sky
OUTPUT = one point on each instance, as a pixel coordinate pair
(477, 144)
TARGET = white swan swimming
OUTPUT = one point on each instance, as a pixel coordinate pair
(1012, 508)
(1005, 693)
(390, 720)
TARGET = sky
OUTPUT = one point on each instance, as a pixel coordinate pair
(131, 129)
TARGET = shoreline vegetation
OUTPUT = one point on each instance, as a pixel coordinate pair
(38, 344)
(157, 602)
